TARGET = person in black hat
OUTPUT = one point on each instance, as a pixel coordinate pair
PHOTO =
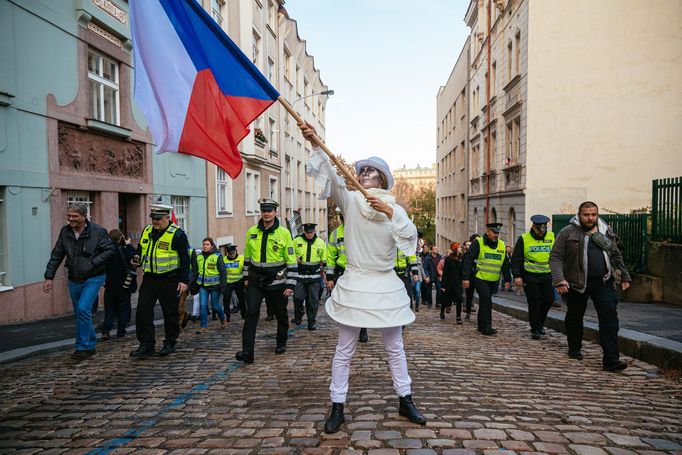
(488, 252)
(530, 267)
(311, 253)
(164, 253)
(270, 271)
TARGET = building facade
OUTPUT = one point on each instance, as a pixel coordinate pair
(274, 153)
(452, 140)
(552, 125)
(417, 176)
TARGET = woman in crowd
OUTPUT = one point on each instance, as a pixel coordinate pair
(452, 282)
(208, 273)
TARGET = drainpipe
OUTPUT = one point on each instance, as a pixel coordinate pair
(487, 120)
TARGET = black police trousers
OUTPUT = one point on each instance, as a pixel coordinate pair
(539, 295)
(307, 290)
(153, 288)
(254, 299)
(238, 288)
(485, 302)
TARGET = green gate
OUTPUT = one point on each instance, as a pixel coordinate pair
(666, 210)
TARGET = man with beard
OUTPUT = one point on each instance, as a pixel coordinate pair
(583, 262)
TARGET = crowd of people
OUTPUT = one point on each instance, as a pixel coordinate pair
(377, 272)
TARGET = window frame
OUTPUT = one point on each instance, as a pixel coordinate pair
(80, 197)
(254, 177)
(226, 188)
(99, 114)
(181, 216)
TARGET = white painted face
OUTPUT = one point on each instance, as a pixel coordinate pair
(370, 177)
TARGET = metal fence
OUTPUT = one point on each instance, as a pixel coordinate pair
(631, 230)
(666, 210)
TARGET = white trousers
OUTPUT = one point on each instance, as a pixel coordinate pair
(345, 348)
(196, 305)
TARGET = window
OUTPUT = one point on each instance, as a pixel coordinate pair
(104, 89)
(298, 81)
(513, 142)
(517, 53)
(493, 150)
(255, 51)
(510, 53)
(493, 80)
(252, 192)
(512, 227)
(287, 64)
(223, 189)
(272, 15)
(217, 11)
(82, 197)
(272, 131)
(180, 206)
(271, 70)
(273, 189)
(517, 139)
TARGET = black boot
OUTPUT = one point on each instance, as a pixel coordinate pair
(363, 338)
(409, 410)
(335, 419)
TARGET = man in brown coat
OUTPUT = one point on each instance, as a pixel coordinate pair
(583, 261)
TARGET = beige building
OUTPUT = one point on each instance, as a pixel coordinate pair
(452, 148)
(274, 154)
(570, 101)
(417, 176)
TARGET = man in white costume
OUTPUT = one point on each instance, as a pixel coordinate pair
(369, 293)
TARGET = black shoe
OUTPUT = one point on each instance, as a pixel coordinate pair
(488, 331)
(535, 335)
(82, 355)
(234, 310)
(143, 351)
(106, 336)
(280, 349)
(194, 318)
(618, 366)
(459, 320)
(243, 357)
(269, 317)
(416, 309)
(296, 321)
(335, 419)
(442, 316)
(542, 332)
(409, 410)
(575, 355)
(312, 326)
(167, 349)
(467, 317)
(363, 338)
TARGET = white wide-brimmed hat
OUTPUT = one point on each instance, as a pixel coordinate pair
(379, 164)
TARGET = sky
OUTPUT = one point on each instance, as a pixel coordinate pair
(385, 61)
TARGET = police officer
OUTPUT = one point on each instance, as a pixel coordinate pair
(234, 265)
(270, 271)
(406, 267)
(488, 252)
(163, 250)
(311, 253)
(530, 267)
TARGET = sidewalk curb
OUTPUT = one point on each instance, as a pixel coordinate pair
(29, 351)
(662, 352)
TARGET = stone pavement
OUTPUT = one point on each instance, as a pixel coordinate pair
(500, 395)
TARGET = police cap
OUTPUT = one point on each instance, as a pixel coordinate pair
(309, 227)
(539, 219)
(158, 211)
(495, 227)
(268, 204)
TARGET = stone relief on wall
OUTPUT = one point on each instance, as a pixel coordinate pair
(82, 151)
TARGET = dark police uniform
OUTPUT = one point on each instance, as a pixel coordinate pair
(530, 261)
(312, 257)
(489, 257)
(270, 267)
(165, 262)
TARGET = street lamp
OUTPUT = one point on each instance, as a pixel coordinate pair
(325, 92)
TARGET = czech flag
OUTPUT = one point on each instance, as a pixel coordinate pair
(196, 88)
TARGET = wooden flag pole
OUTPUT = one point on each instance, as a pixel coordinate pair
(318, 142)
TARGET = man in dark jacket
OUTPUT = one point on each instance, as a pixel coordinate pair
(431, 276)
(583, 263)
(87, 247)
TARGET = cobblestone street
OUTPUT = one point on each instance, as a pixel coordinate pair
(502, 394)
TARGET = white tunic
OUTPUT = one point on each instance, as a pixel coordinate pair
(369, 294)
